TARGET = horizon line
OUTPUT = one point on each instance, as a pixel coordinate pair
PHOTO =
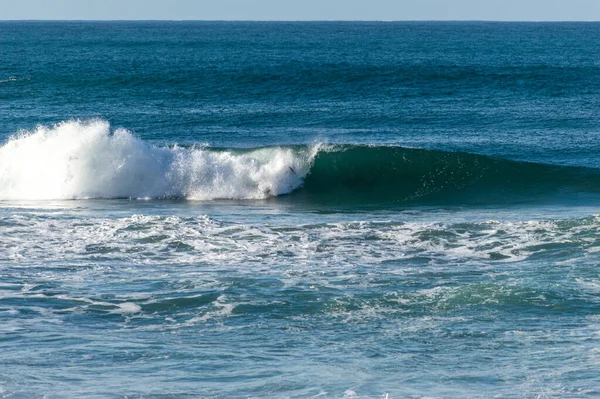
(298, 20)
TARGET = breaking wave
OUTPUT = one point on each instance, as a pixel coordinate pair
(77, 160)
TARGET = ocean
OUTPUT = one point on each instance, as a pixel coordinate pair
(299, 210)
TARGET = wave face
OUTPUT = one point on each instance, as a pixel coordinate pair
(407, 175)
(76, 160)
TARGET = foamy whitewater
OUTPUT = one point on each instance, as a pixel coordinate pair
(172, 225)
(76, 160)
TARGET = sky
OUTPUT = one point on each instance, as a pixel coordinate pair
(387, 10)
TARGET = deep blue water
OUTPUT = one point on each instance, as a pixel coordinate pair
(293, 210)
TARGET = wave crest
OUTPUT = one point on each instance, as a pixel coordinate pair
(76, 160)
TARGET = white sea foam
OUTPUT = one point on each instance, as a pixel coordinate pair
(221, 309)
(75, 160)
(151, 239)
(128, 307)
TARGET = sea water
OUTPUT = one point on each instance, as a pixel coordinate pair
(295, 210)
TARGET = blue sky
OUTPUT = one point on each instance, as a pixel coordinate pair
(511, 10)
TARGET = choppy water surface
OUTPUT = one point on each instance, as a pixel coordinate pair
(336, 210)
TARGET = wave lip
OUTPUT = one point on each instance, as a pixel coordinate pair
(78, 160)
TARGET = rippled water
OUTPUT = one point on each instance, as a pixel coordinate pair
(268, 303)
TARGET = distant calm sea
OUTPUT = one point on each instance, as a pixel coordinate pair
(299, 210)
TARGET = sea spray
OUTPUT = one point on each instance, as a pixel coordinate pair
(75, 160)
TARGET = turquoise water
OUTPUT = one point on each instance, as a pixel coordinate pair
(294, 210)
